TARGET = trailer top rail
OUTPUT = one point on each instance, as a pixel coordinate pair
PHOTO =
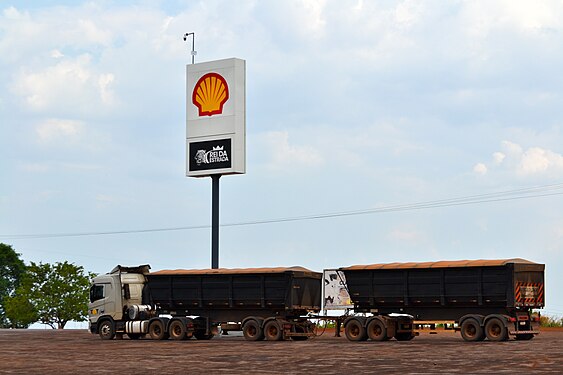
(238, 271)
(443, 264)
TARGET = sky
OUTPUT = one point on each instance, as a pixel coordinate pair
(386, 131)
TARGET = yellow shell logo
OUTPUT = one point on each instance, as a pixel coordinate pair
(210, 93)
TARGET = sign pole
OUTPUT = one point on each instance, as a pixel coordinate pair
(215, 221)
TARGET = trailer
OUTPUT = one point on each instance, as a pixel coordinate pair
(268, 303)
(491, 299)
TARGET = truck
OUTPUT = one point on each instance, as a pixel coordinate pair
(491, 299)
(265, 303)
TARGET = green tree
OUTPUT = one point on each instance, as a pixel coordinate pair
(19, 310)
(58, 292)
(12, 269)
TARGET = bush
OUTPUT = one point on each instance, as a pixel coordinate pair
(551, 321)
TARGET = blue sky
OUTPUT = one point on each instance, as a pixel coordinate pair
(351, 105)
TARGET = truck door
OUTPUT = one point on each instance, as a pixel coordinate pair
(101, 301)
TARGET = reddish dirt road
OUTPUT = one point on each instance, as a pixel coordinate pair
(77, 351)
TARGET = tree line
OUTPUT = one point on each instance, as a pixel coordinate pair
(52, 294)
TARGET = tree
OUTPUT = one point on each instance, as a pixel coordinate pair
(12, 269)
(58, 292)
(19, 310)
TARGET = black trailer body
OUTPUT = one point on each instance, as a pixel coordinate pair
(230, 295)
(268, 303)
(454, 291)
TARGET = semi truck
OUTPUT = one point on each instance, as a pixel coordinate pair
(266, 303)
(492, 299)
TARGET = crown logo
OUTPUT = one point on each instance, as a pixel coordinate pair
(210, 93)
(218, 148)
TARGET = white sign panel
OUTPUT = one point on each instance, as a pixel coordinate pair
(216, 118)
(336, 296)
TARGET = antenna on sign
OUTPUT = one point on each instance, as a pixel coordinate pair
(193, 53)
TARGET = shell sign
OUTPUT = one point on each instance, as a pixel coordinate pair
(210, 94)
(216, 118)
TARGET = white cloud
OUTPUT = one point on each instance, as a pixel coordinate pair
(91, 32)
(533, 161)
(512, 149)
(105, 81)
(56, 54)
(498, 158)
(537, 160)
(71, 85)
(284, 155)
(480, 168)
(59, 130)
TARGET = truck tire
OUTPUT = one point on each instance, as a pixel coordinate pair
(273, 331)
(106, 330)
(355, 331)
(177, 330)
(495, 330)
(471, 330)
(376, 330)
(252, 331)
(157, 330)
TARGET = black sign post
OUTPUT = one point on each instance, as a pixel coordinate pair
(215, 221)
(209, 156)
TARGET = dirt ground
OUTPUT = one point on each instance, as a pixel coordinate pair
(77, 351)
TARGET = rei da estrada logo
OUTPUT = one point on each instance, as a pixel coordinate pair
(216, 155)
(210, 154)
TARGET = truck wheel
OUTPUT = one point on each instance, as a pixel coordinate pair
(252, 331)
(157, 330)
(495, 330)
(177, 330)
(377, 331)
(471, 330)
(106, 330)
(355, 331)
(272, 331)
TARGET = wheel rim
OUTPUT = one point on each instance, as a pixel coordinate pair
(494, 330)
(177, 330)
(251, 331)
(376, 330)
(106, 329)
(354, 330)
(273, 331)
(156, 329)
